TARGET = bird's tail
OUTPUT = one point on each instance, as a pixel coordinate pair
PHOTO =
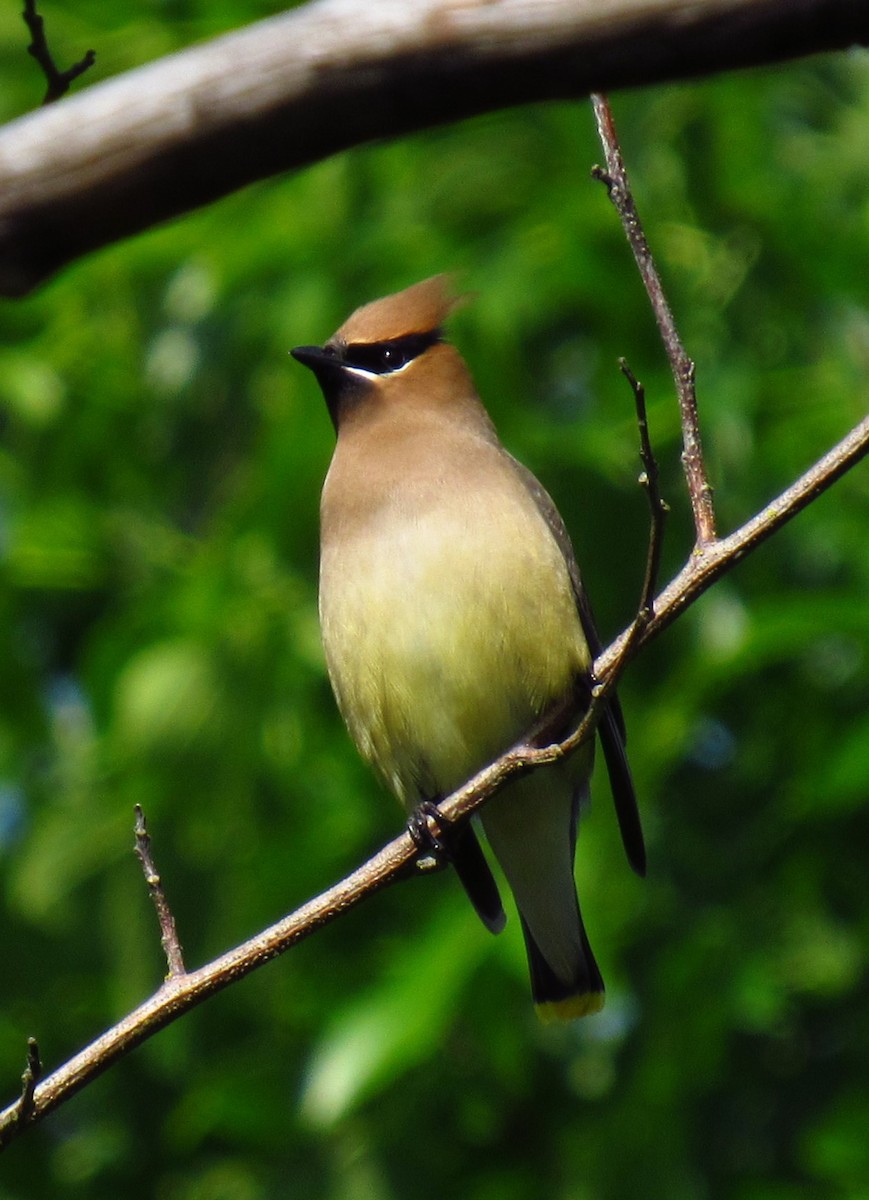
(531, 827)
(556, 999)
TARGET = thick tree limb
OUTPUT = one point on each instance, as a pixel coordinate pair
(127, 154)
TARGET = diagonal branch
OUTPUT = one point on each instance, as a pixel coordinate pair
(708, 565)
(182, 992)
(129, 153)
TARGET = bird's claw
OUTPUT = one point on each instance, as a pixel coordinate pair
(428, 828)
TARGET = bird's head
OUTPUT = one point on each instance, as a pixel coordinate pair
(392, 349)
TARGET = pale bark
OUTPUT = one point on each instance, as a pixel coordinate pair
(126, 154)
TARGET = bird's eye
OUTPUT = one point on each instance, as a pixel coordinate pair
(381, 358)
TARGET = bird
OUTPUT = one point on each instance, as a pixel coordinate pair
(453, 619)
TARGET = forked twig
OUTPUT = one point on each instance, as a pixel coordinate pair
(58, 81)
(616, 179)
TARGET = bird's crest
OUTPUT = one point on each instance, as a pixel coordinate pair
(422, 308)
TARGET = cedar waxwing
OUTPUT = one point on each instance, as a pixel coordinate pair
(453, 619)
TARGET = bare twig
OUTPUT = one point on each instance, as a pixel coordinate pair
(25, 1107)
(616, 179)
(649, 481)
(168, 932)
(658, 508)
(180, 993)
(58, 81)
(166, 138)
(702, 570)
(544, 734)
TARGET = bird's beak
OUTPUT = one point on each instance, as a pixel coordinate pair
(324, 363)
(311, 356)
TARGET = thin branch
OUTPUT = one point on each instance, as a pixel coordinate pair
(616, 179)
(32, 1074)
(58, 81)
(658, 509)
(706, 567)
(133, 151)
(183, 992)
(168, 932)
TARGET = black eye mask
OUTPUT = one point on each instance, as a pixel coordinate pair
(381, 358)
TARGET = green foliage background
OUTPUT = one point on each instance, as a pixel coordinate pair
(159, 472)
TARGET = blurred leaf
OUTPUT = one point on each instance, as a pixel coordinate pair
(392, 1026)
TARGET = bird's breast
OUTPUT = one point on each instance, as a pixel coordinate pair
(449, 625)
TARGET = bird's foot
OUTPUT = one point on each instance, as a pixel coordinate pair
(429, 829)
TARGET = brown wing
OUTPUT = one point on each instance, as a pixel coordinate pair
(612, 723)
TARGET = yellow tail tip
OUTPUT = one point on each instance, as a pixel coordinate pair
(585, 1004)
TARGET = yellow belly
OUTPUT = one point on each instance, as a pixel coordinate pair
(445, 652)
